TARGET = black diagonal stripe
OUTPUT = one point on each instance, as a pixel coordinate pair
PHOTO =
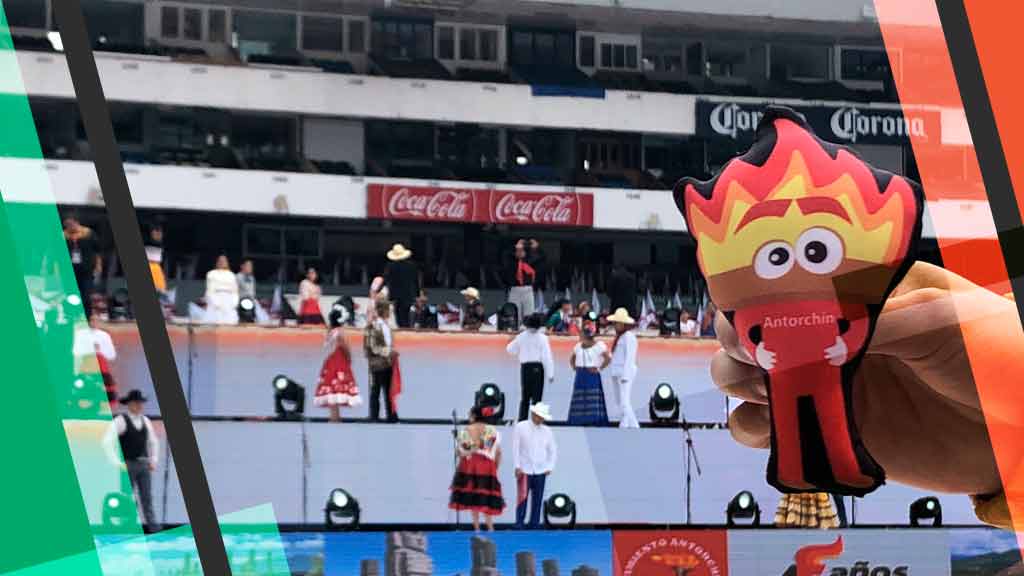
(987, 145)
(128, 240)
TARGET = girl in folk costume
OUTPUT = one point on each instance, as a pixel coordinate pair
(810, 510)
(476, 486)
(588, 359)
(337, 386)
(221, 293)
(309, 299)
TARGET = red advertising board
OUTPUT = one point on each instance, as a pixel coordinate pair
(516, 207)
(670, 553)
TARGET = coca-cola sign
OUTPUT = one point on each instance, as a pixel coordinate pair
(516, 207)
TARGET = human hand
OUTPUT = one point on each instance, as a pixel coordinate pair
(519, 472)
(914, 398)
(151, 466)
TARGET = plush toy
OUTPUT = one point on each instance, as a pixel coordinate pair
(801, 242)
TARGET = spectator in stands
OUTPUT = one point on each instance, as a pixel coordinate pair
(403, 281)
(623, 366)
(533, 350)
(561, 320)
(587, 407)
(622, 289)
(583, 310)
(535, 456)
(309, 299)
(141, 450)
(154, 245)
(246, 280)
(687, 325)
(707, 324)
(337, 387)
(83, 249)
(380, 356)
(521, 278)
(475, 486)
(221, 294)
(539, 261)
(472, 310)
(421, 314)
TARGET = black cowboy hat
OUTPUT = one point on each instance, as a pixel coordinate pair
(134, 396)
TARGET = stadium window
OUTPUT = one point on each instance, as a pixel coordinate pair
(544, 47)
(522, 48)
(26, 13)
(606, 55)
(193, 27)
(467, 44)
(322, 34)
(169, 21)
(587, 51)
(445, 43)
(356, 36)
(565, 52)
(695, 59)
(424, 40)
(631, 58)
(261, 32)
(799, 62)
(488, 45)
(620, 56)
(865, 65)
(726, 61)
(303, 242)
(216, 24)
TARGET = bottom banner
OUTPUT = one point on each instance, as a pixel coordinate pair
(921, 552)
(671, 553)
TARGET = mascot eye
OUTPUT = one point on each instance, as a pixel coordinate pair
(773, 260)
(819, 251)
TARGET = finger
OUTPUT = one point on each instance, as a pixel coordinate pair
(750, 425)
(729, 339)
(738, 379)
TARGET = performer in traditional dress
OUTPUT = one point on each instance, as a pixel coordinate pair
(808, 510)
(624, 351)
(476, 486)
(588, 359)
(309, 299)
(337, 387)
(221, 294)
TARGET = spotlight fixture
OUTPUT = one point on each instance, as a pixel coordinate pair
(743, 506)
(669, 324)
(120, 307)
(927, 508)
(119, 510)
(490, 401)
(246, 310)
(341, 505)
(289, 398)
(342, 312)
(562, 507)
(87, 394)
(664, 405)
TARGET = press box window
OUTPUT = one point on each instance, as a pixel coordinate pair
(446, 43)
(193, 29)
(322, 34)
(217, 21)
(356, 36)
(587, 51)
(169, 21)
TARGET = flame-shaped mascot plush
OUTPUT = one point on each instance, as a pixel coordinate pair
(801, 242)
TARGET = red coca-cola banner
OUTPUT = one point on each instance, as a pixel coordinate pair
(430, 203)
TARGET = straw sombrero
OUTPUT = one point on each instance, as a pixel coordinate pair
(399, 252)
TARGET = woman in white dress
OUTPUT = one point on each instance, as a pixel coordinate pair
(221, 294)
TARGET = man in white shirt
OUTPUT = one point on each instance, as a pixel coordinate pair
(535, 453)
(141, 450)
(687, 325)
(533, 350)
(623, 366)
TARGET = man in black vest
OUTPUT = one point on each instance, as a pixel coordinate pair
(403, 279)
(141, 451)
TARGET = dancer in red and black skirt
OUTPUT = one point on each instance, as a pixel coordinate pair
(337, 385)
(476, 487)
(309, 299)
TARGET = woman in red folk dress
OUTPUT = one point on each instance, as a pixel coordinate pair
(337, 385)
(476, 487)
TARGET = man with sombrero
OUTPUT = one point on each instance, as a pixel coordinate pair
(141, 450)
(403, 280)
(535, 453)
(623, 366)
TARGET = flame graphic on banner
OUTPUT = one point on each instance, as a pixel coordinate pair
(809, 558)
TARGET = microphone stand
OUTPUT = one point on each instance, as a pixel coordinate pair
(691, 457)
(455, 464)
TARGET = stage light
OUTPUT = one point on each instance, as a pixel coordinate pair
(119, 510)
(489, 400)
(74, 300)
(522, 160)
(86, 395)
(119, 306)
(246, 310)
(508, 317)
(927, 508)
(341, 505)
(669, 324)
(664, 405)
(55, 41)
(342, 312)
(289, 398)
(743, 506)
(562, 507)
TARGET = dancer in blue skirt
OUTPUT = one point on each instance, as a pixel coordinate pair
(589, 357)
